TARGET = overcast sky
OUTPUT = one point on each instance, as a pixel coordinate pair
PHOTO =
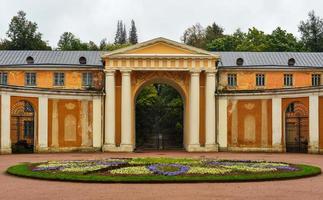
(97, 19)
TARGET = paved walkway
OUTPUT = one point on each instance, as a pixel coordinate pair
(21, 188)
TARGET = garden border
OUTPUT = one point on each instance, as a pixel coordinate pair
(22, 170)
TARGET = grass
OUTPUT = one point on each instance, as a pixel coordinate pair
(23, 170)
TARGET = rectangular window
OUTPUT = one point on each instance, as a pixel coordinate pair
(87, 79)
(3, 78)
(260, 79)
(30, 78)
(288, 79)
(59, 79)
(232, 80)
(316, 79)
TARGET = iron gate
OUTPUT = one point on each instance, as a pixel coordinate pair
(296, 126)
(163, 128)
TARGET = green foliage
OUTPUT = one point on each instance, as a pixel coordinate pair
(213, 32)
(195, 36)
(69, 42)
(281, 40)
(23, 35)
(121, 33)
(312, 32)
(257, 41)
(133, 37)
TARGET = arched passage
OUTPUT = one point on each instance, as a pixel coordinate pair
(159, 117)
(22, 127)
(296, 127)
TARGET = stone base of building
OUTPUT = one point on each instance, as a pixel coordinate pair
(199, 148)
(121, 148)
(252, 149)
(5, 151)
(71, 149)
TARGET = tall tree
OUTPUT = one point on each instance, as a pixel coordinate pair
(213, 32)
(194, 36)
(133, 37)
(68, 41)
(281, 40)
(255, 40)
(91, 46)
(121, 34)
(312, 32)
(227, 42)
(23, 34)
(123, 39)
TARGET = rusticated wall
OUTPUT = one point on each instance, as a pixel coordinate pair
(250, 123)
(70, 123)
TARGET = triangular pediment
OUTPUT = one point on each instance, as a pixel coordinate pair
(159, 47)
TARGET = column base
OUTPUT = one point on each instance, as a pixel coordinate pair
(121, 148)
(313, 148)
(211, 147)
(42, 149)
(5, 151)
(277, 148)
(109, 147)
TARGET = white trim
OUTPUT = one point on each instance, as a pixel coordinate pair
(314, 123)
(277, 122)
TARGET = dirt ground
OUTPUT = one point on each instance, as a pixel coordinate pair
(21, 188)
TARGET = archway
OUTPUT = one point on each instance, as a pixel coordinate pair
(159, 123)
(296, 128)
(22, 127)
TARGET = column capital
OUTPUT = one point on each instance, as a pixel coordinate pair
(195, 71)
(210, 71)
(109, 72)
(125, 71)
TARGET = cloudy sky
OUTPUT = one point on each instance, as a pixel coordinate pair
(96, 19)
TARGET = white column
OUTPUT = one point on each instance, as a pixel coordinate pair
(222, 123)
(313, 123)
(5, 146)
(210, 133)
(43, 124)
(126, 116)
(194, 125)
(97, 122)
(109, 139)
(277, 123)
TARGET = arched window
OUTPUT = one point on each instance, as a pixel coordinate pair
(82, 60)
(30, 60)
(239, 61)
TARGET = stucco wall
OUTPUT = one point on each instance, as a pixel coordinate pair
(249, 123)
(69, 123)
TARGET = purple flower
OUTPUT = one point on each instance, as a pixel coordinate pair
(288, 168)
(163, 169)
(47, 168)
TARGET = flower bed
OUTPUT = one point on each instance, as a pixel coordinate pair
(162, 170)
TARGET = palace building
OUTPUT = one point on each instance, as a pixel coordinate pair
(59, 101)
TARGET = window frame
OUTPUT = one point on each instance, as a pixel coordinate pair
(260, 80)
(232, 78)
(288, 80)
(60, 80)
(87, 79)
(316, 79)
(3, 78)
(29, 79)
